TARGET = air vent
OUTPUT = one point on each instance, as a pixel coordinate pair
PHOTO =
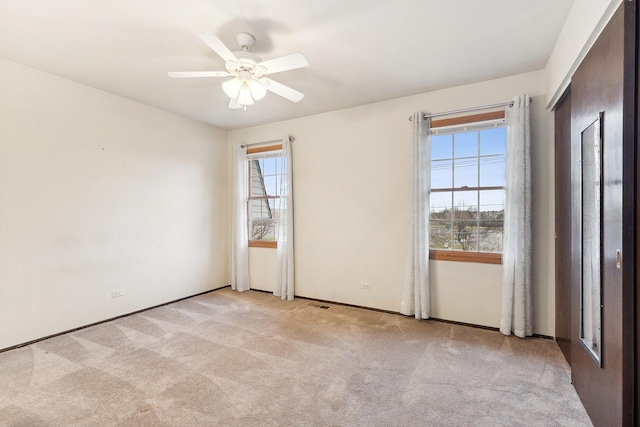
(324, 307)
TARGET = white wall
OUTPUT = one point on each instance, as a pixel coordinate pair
(99, 193)
(585, 22)
(351, 189)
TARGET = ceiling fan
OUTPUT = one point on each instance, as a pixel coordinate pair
(248, 71)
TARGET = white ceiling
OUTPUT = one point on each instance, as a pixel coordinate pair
(361, 51)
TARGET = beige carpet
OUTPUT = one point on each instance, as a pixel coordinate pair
(250, 359)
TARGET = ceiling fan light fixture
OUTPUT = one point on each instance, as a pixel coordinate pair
(232, 87)
(258, 91)
(244, 97)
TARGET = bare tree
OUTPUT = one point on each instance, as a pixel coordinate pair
(465, 225)
(491, 230)
(261, 228)
(467, 229)
(440, 229)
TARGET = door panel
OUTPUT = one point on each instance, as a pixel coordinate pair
(597, 86)
(562, 120)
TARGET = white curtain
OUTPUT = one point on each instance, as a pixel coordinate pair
(285, 272)
(415, 296)
(240, 237)
(516, 253)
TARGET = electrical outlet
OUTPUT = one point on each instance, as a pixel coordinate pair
(117, 293)
(365, 286)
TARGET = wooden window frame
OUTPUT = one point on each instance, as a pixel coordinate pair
(263, 149)
(465, 120)
(467, 256)
(271, 244)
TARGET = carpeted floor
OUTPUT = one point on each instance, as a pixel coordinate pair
(250, 359)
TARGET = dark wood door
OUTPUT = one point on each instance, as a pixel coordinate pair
(563, 310)
(600, 85)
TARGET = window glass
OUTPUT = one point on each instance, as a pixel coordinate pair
(267, 184)
(442, 173)
(465, 144)
(441, 147)
(492, 157)
(465, 172)
(491, 220)
(492, 141)
(467, 190)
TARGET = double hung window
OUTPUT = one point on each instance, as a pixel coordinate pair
(267, 185)
(467, 199)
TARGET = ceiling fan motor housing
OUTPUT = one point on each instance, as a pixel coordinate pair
(245, 40)
(247, 61)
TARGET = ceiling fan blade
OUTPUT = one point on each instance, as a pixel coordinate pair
(284, 63)
(282, 90)
(218, 47)
(190, 74)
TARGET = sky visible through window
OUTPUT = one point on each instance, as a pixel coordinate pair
(454, 164)
(467, 190)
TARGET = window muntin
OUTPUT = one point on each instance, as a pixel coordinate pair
(267, 183)
(467, 188)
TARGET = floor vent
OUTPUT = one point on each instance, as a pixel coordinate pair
(324, 307)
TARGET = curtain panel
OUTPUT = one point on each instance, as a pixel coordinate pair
(415, 295)
(239, 232)
(517, 298)
(284, 287)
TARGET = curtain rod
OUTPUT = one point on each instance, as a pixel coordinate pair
(291, 139)
(464, 110)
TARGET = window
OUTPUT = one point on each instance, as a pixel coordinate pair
(467, 190)
(267, 181)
